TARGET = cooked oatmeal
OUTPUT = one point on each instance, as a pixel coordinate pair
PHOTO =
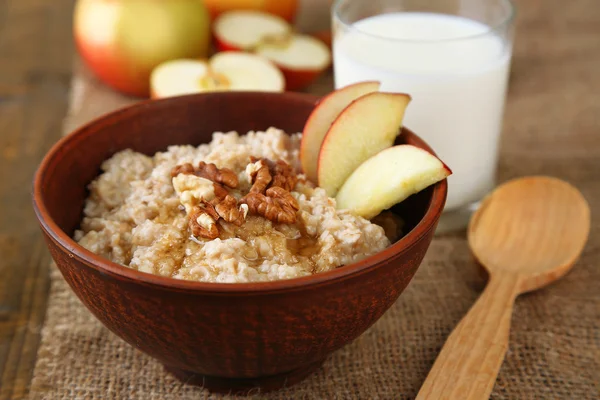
(142, 212)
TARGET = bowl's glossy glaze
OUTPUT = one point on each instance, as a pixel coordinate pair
(226, 336)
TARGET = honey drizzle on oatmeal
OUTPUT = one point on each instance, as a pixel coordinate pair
(305, 246)
(259, 230)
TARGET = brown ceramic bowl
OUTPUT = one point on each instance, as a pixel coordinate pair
(225, 336)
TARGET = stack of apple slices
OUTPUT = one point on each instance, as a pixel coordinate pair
(301, 58)
(227, 70)
(347, 150)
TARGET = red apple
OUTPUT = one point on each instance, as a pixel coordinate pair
(301, 58)
(285, 9)
(122, 41)
(224, 71)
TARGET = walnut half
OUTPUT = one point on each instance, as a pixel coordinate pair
(259, 174)
(273, 209)
(223, 176)
(284, 176)
(283, 196)
(202, 224)
(229, 211)
(265, 173)
(270, 194)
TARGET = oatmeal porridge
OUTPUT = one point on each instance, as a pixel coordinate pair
(233, 210)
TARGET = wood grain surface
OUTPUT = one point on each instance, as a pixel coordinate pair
(35, 72)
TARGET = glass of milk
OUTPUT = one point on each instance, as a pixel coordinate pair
(453, 58)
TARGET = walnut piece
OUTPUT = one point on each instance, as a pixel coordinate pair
(284, 196)
(210, 210)
(229, 211)
(220, 193)
(265, 173)
(186, 168)
(223, 176)
(193, 190)
(260, 176)
(270, 193)
(273, 209)
(202, 224)
(284, 176)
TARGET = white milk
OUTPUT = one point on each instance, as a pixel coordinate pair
(458, 86)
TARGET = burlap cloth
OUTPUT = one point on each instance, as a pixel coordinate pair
(552, 127)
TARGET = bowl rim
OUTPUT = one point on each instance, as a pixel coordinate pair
(105, 266)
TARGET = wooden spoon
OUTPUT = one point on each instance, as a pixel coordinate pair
(528, 233)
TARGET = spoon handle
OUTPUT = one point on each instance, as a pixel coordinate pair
(469, 362)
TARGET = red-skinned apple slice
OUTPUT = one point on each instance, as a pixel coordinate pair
(301, 58)
(224, 71)
(364, 128)
(320, 120)
(388, 178)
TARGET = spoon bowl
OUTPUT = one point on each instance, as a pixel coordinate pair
(528, 233)
(535, 227)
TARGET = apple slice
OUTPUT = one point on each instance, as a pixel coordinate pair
(388, 178)
(242, 30)
(320, 120)
(364, 128)
(301, 58)
(224, 71)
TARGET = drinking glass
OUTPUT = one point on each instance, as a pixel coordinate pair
(453, 58)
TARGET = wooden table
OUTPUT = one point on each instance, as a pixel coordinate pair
(36, 54)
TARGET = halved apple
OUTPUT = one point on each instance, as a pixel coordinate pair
(364, 128)
(301, 58)
(388, 178)
(320, 120)
(243, 29)
(224, 71)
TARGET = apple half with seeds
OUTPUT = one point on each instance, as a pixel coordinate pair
(224, 71)
(301, 58)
